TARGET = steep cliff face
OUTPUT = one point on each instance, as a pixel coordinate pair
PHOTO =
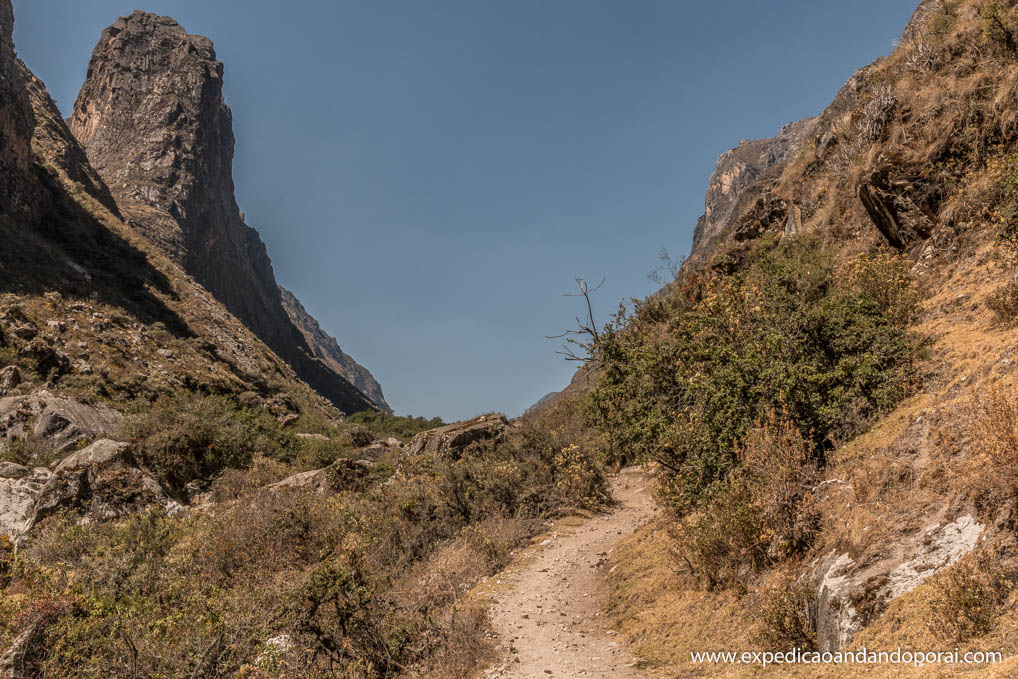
(739, 178)
(16, 122)
(325, 348)
(152, 119)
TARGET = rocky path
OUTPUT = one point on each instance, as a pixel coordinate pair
(549, 618)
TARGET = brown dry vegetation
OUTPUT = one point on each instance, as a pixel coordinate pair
(370, 581)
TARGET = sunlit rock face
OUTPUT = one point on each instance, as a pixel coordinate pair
(153, 121)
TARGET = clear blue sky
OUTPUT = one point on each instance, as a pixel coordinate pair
(430, 177)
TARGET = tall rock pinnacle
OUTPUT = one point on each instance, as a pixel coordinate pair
(152, 119)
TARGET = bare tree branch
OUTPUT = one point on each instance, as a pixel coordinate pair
(587, 328)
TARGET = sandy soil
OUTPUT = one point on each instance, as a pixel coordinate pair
(548, 607)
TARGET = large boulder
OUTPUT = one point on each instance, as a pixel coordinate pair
(62, 423)
(454, 438)
(851, 593)
(19, 489)
(10, 377)
(381, 447)
(101, 480)
(343, 474)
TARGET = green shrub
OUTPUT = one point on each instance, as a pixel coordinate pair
(317, 454)
(29, 452)
(358, 437)
(942, 20)
(761, 514)
(999, 30)
(383, 425)
(191, 436)
(579, 480)
(1005, 211)
(686, 375)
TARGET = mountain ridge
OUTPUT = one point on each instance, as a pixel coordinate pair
(326, 349)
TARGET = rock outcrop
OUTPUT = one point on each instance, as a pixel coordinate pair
(152, 119)
(87, 297)
(20, 487)
(902, 208)
(851, 594)
(343, 474)
(453, 438)
(59, 423)
(326, 349)
(379, 448)
(102, 481)
(739, 180)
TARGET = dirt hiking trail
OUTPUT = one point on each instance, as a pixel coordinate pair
(549, 614)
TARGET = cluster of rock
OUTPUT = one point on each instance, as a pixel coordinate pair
(102, 481)
(343, 474)
(448, 441)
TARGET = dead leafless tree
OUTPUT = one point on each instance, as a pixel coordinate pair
(580, 343)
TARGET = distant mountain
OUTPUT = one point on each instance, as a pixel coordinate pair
(325, 348)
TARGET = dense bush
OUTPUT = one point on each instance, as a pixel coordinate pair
(189, 437)
(1004, 171)
(762, 513)
(788, 614)
(28, 452)
(997, 422)
(381, 425)
(999, 28)
(686, 375)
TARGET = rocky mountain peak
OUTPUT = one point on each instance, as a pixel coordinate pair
(152, 118)
(153, 121)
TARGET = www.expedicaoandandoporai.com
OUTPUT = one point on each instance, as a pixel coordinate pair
(860, 656)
